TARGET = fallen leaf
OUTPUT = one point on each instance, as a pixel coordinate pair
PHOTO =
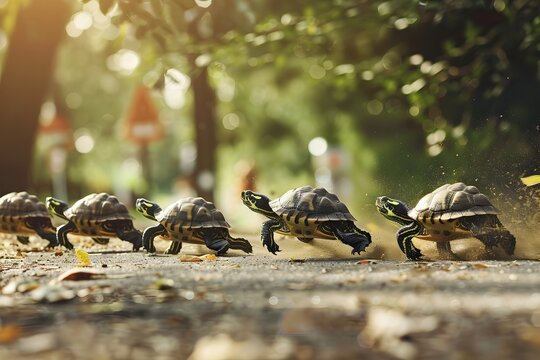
(81, 274)
(208, 257)
(9, 334)
(234, 266)
(366, 262)
(83, 257)
(58, 253)
(479, 266)
(191, 258)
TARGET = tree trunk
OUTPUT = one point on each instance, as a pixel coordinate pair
(26, 77)
(204, 108)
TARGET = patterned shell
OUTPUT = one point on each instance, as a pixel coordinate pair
(452, 201)
(97, 208)
(314, 203)
(192, 213)
(22, 205)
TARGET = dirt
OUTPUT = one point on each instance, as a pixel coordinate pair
(313, 301)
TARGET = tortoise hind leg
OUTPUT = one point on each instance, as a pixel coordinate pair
(491, 232)
(445, 250)
(25, 240)
(349, 234)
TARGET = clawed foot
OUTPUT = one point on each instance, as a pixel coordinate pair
(272, 247)
(413, 253)
(361, 246)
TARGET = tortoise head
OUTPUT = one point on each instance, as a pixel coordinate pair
(147, 208)
(56, 207)
(257, 202)
(394, 210)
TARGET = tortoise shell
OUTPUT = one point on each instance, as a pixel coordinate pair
(453, 201)
(22, 205)
(16, 206)
(97, 208)
(191, 213)
(311, 203)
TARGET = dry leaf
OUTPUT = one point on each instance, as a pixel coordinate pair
(81, 274)
(58, 253)
(83, 257)
(191, 258)
(479, 266)
(208, 257)
(366, 262)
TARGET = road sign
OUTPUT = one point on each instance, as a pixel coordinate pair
(142, 124)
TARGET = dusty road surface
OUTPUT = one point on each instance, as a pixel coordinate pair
(137, 306)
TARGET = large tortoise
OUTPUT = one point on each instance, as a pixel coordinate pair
(306, 213)
(190, 220)
(450, 212)
(22, 214)
(100, 216)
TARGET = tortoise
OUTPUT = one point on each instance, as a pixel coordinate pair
(450, 212)
(100, 216)
(191, 220)
(23, 214)
(306, 213)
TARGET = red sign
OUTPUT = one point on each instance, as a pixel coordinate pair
(142, 123)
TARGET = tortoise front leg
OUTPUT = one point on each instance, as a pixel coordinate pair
(132, 236)
(267, 235)
(25, 240)
(45, 230)
(174, 248)
(214, 240)
(61, 234)
(239, 243)
(149, 234)
(404, 239)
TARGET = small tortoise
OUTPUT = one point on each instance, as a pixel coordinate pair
(100, 216)
(306, 213)
(23, 214)
(189, 220)
(450, 212)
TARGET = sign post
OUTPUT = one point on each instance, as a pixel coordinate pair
(142, 126)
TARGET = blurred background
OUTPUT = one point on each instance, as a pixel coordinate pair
(172, 98)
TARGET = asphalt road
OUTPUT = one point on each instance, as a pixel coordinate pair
(302, 304)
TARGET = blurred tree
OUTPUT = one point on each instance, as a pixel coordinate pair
(26, 78)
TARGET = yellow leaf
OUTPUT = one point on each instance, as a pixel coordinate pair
(83, 257)
(208, 257)
(531, 180)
